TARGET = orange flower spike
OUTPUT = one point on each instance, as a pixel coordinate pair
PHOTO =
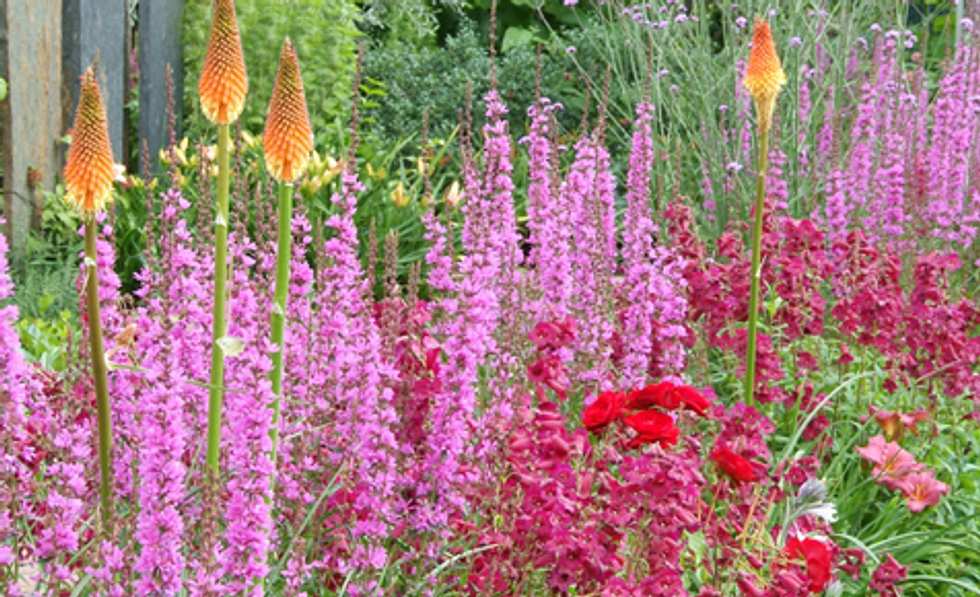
(288, 137)
(224, 82)
(764, 77)
(89, 168)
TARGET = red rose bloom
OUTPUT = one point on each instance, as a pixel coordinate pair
(818, 556)
(653, 426)
(691, 399)
(603, 411)
(658, 394)
(733, 465)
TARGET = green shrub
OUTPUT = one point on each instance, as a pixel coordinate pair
(49, 338)
(407, 81)
(413, 22)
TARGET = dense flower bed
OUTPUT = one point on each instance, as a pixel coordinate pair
(551, 408)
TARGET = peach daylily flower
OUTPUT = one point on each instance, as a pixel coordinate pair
(764, 76)
(895, 424)
(288, 138)
(89, 169)
(224, 82)
(922, 490)
(891, 463)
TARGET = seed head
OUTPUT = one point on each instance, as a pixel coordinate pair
(89, 169)
(224, 82)
(288, 138)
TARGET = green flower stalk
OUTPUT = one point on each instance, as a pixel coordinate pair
(287, 143)
(222, 90)
(88, 174)
(764, 78)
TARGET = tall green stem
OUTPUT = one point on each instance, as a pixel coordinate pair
(216, 389)
(760, 204)
(100, 376)
(279, 310)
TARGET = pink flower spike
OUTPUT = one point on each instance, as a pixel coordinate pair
(922, 490)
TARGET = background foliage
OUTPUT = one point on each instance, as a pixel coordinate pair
(324, 34)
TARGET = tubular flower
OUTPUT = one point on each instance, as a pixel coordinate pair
(223, 83)
(288, 138)
(764, 76)
(734, 465)
(89, 169)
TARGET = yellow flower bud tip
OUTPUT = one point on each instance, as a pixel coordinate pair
(764, 76)
(89, 169)
(224, 82)
(399, 197)
(453, 194)
(288, 137)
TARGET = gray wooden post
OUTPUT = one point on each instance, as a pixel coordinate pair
(160, 33)
(95, 31)
(32, 114)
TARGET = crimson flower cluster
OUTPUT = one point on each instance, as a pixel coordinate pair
(645, 411)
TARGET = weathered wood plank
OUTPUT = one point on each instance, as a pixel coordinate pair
(95, 32)
(32, 114)
(160, 45)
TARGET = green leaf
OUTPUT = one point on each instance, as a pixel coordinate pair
(3, 89)
(516, 37)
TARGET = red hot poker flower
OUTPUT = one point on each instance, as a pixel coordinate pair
(733, 465)
(818, 557)
(224, 83)
(89, 169)
(653, 426)
(288, 137)
(605, 409)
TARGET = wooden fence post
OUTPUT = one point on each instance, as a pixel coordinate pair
(95, 31)
(160, 44)
(30, 37)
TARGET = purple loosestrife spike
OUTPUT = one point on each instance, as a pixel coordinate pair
(638, 231)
